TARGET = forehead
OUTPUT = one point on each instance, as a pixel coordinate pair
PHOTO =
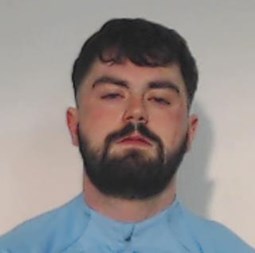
(135, 76)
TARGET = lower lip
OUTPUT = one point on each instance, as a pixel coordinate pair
(135, 142)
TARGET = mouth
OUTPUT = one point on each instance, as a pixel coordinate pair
(135, 140)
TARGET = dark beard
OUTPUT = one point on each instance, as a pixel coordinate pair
(131, 175)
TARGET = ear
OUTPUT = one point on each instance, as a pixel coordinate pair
(72, 121)
(193, 125)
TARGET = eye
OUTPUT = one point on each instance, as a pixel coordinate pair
(160, 100)
(111, 96)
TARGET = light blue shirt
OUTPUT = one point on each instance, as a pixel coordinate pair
(76, 228)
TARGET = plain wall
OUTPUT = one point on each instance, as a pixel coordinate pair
(39, 40)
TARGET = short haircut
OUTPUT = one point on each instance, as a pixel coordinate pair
(142, 42)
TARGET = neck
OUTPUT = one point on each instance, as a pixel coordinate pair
(127, 210)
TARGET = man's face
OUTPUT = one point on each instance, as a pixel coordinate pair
(132, 127)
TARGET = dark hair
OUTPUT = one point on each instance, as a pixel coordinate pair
(142, 42)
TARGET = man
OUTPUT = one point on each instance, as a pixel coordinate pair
(134, 83)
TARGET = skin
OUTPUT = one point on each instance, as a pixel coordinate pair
(110, 96)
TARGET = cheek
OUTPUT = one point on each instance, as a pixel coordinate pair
(102, 115)
(98, 121)
(170, 126)
(95, 116)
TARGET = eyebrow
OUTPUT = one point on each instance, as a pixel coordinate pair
(158, 84)
(164, 85)
(109, 80)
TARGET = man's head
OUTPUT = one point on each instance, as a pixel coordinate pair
(143, 43)
(134, 82)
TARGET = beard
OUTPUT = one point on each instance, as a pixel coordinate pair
(131, 175)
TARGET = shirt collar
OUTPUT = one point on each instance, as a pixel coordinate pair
(123, 231)
(167, 229)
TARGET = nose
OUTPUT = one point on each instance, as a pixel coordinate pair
(136, 111)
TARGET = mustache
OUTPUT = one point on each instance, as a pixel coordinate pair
(130, 128)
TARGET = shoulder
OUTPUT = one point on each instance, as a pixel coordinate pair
(214, 236)
(49, 232)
